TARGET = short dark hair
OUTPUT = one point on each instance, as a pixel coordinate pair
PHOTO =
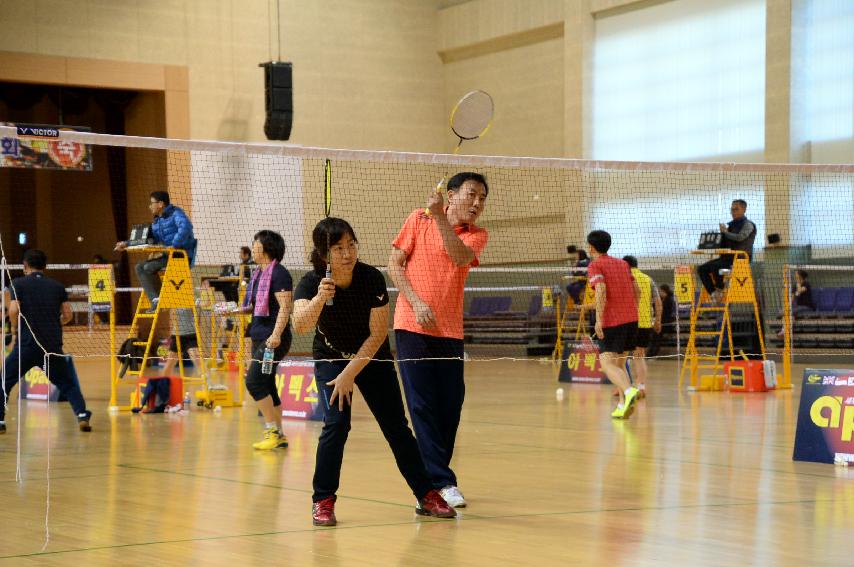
(327, 233)
(741, 202)
(161, 196)
(803, 273)
(666, 289)
(631, 261)
(35, 259)
(272, 243)
(246, 250)
(455, 182)
(582, 255)
(600, 241)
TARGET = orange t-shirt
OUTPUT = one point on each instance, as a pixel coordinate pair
(433, 275)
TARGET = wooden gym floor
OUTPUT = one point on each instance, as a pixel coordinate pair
(691, 479)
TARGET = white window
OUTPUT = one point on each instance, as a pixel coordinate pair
(827, 68)
(660, 215)
(822, 209)
(682, 80)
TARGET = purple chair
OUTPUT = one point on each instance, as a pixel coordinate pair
(844, 305)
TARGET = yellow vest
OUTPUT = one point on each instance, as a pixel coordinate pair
(646, 286)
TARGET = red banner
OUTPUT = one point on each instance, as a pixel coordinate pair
(581, 363)
(298, 390)
(36, 147)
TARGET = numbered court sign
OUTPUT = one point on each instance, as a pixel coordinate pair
(684, 285)
(101, 288)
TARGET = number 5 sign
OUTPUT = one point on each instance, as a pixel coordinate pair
(101, 287)
(684, 285)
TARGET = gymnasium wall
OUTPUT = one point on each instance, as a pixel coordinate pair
(367, 73)
(384, 74)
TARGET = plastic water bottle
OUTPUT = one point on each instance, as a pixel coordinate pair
(267, 363)
(186, 405)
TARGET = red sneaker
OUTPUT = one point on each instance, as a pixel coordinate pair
(323, 512)
(434, 505)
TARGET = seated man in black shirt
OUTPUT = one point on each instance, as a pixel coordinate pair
(43, 303)
(738, 234)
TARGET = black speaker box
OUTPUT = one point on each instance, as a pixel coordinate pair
(278, 99)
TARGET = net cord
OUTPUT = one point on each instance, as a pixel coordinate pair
(295, 151)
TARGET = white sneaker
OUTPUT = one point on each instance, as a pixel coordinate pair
(453, 496)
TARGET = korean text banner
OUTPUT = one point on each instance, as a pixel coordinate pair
(44, 151)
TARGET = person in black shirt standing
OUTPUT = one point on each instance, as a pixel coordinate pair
(351, 347)
(269, 298)
(43, 303)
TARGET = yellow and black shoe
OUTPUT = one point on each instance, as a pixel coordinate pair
(273, 439)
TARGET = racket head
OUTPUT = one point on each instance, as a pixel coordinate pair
(472, 115)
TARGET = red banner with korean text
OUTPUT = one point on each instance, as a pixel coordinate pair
(581, 363)
(39, 147)
(298, 390)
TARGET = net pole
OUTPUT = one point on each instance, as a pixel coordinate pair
(787, 325)
(114, 379)
(3, 327)
(678, 336)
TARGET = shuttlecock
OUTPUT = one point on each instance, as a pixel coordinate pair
(79, 239)
(559, 394)
(218, 409)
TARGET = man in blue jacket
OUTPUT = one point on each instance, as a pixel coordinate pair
(171, 227)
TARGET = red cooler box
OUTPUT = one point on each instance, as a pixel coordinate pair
(745, 376)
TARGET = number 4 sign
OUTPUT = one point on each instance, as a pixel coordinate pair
(101, 287)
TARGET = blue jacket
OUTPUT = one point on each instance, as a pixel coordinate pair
(173, 228)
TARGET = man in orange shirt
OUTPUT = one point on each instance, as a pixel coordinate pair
(429, 264)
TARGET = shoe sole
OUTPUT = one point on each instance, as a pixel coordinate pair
(423, 512)
(324, 524)
(85, 427)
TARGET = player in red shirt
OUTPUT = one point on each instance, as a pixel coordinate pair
(617, 295)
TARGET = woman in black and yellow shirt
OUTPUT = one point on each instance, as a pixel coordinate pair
(351, 347)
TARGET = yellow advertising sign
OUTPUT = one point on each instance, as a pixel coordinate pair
(589, 295)
(741, 288)
(177, 290)
(684, 285)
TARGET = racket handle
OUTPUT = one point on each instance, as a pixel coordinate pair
(328, 275)
(438, 190)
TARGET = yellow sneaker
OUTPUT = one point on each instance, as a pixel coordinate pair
(625, 410)
(619, 412)
(273, 439)
(631, 399)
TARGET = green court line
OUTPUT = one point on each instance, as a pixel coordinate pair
(264, 485)
(425, 522)
(42, 478)
(681, 461)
